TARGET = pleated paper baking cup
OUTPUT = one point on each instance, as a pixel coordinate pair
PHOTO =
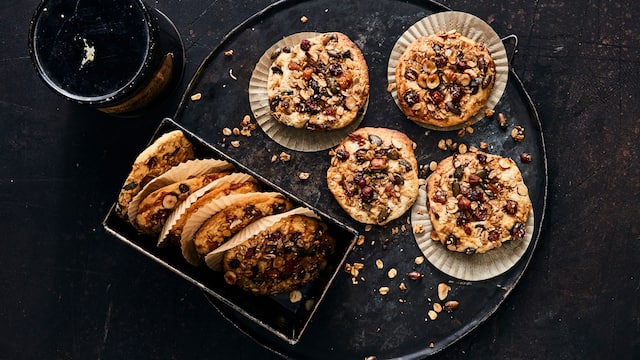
(214, 258)
(197, 219)
(292, 138)
(469, 26)
(474, 267)
(175, 222)
(180, 172)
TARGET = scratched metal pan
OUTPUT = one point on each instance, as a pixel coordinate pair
(355, 320)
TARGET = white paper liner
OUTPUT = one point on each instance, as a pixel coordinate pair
(182, 171)
(474, 267)
(214, 258)
(176, 215)
(187, 244)
(468, 25)
(292, 138)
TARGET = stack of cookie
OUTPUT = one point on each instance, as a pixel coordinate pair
(201, 205)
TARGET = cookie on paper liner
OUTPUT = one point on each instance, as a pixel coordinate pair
(299, 139)
(207, 212)
(230, 184)
(182, 171)
(469, 27)
(214, 258)
(474, 267)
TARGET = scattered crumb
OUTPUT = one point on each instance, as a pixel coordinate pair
(304, 19)
(196, 96)
(228, 53)
(303, 175)
(231, 75)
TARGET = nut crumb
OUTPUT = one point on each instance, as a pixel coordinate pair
(431, 345)
(442, 144)
(392, 273)
(418, 228)
(304, 175)
(517, 133)
(432, 315)
(226, 132)
(360, 240)
(451, 305)
(502, 121)
(483, 145)
(437, 307)
(295, 296)
(443, 291)
(274, 158)
(304, 19)
(235, 143)
(379, 264)
(284, 156)
(196, 96)
(236, 131)
(462, 148)
(402, 286)
(384, 290)
(228, 53)
(489, 112)
(368, 227)
(433, 165)
(419, 260)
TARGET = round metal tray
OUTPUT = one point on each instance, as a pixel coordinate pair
(355, 320)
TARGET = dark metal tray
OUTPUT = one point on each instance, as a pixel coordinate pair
(354, 320)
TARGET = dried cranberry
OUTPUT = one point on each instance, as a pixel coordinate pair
(511, 207)
(305, 45)
(456, 93)
(480, 213)
(342, 155)
(367, 194)
(437, 97)
(518, 230)
(360, 180)
(494, 235)
(482, 158)
(335, 69)
(251, 252)
(357, 138)
(462, 219)
(411, 97)
(475, 195)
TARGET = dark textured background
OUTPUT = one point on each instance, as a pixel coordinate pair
(69, 290)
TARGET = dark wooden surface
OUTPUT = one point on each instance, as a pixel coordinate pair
(68, 290)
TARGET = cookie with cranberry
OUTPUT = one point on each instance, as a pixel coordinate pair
(374, 175)
(444, 79)
(477, 201)
(167, 151)
(155, 208)
(322, 83)
(280, 258)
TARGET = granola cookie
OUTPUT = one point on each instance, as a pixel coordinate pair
(444, 79)
(165, 152)
(374, 175)
(320, 84)
(281, 258)
(477, 201)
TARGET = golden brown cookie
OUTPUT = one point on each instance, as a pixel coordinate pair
(235, 216)
(477, 201)
(281, 258)
(322, 83)
(156, 207)
(236, 183)
(444, 79)
(165, 152)
(374, 175)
